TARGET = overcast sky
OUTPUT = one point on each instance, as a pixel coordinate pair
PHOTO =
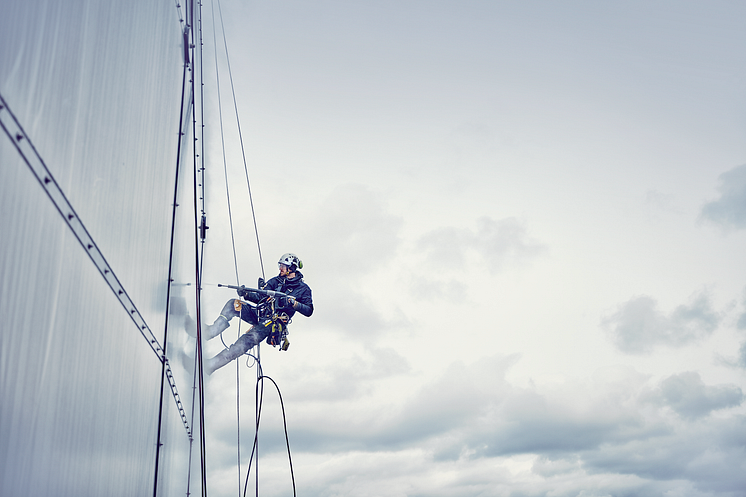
(523, 224)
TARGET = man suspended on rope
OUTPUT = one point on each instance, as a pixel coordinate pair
(274, 314)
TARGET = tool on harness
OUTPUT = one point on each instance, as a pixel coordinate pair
(276, 325)
(278, 334)
(265, 313)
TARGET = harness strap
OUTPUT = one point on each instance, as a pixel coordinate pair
(277, 324)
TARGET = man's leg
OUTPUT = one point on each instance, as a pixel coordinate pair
(230, 310)
(245, 342)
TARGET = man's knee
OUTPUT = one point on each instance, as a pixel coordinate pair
(245, 342)
(229, 310)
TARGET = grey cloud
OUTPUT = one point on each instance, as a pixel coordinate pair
(495, 244)
(340, 308)
(455, 400)
(356, 232)
(689, 397)
(529, 422)
(355, 235)
(310, 389)
(700, 453)
(437, 412)
(424, 288)
(737, 361)
(742, 355)
(741, 323)
(547, 466)
(660, 201)
(729, 211)
(506, 239)
(638, 326)
(446, 247)
(472, 413)
(474, 409)
(347, 379)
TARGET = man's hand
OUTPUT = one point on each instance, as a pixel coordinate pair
(286, 301)
(261, 283)
(243, 292)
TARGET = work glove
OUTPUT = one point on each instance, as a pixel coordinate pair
(285, 301)
(261, 283)
(243, 292)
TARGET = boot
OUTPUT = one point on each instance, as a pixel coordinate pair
(217, 362)
(221, 323)
(224, 357)
(212, 330)
(244, 343)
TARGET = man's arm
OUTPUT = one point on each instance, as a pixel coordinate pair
(304, 301)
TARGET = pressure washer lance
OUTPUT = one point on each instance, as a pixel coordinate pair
(281, 337)
(272, 293)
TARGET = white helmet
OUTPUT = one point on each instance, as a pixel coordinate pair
(291, 261)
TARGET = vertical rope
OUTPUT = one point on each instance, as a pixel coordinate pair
(233, 239)
(197, 270)
(222, 142)
(200, 228)
(168, 287)
(240, 139)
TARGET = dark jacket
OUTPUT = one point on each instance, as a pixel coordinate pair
(295, 287)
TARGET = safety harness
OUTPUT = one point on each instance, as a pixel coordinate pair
(269, 319)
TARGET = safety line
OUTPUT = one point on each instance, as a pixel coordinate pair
(240, 140)
(233, 240)
(284, 425)
(174, 207)
(198, 272)
(222, 143)
(259, 394)
(33, 160)
(255, 448)
(258, 402)
(232, 231)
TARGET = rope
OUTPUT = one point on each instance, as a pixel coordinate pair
(233, 239)
(191, 64)
(198, 265)
(191, 439)
(222, 143)
(285, 427)
(170, 273)
(254, 458)
(240, 139)
(255, 448)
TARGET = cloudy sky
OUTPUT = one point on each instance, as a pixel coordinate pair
(523, 224)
